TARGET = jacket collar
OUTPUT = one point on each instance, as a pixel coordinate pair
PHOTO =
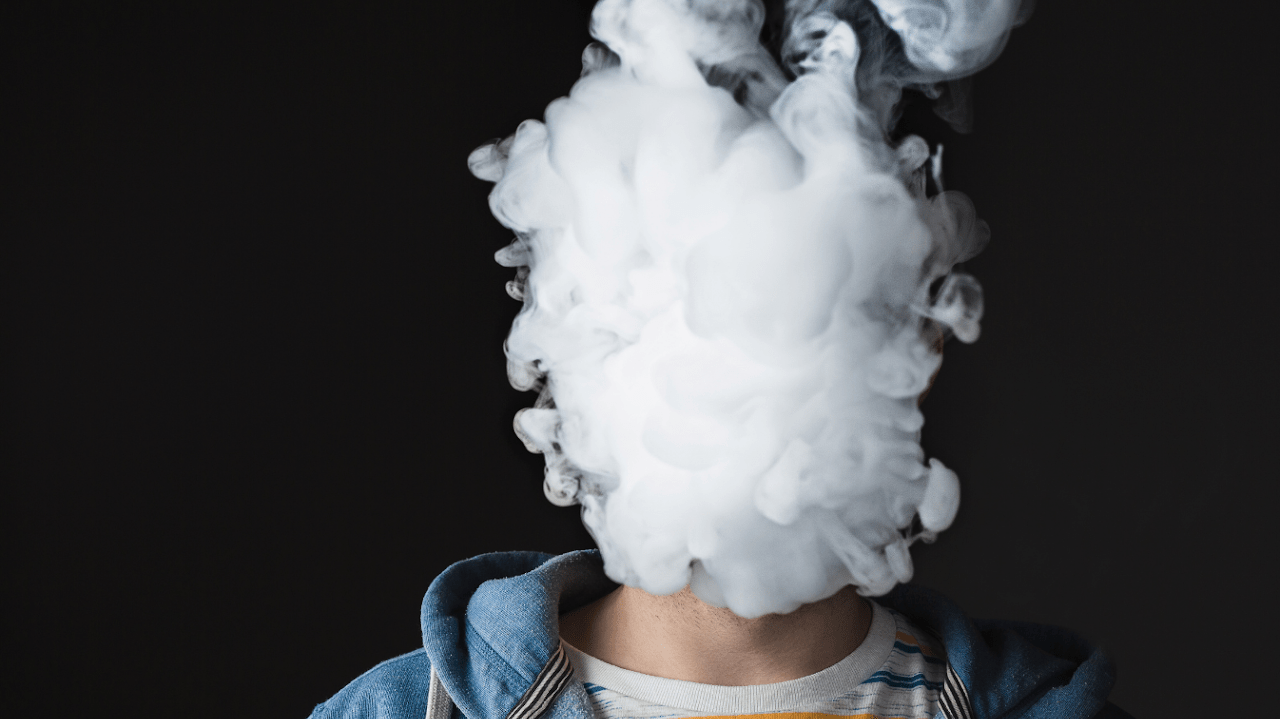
(490, 625)
(1012, 668)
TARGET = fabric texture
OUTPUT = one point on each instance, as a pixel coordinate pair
(491, 632)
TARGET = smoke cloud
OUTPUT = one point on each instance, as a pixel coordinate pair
(736, 287)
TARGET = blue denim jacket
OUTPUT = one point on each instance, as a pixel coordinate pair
(490, 633)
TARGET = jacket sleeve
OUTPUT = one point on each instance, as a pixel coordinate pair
(395, 689)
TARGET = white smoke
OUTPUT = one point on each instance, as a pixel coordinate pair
(727, 294)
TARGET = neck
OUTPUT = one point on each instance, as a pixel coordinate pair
(681, 637)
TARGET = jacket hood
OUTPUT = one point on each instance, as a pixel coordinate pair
(1012, 669)
(490, 625)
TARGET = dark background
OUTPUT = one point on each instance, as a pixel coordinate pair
(254, 393)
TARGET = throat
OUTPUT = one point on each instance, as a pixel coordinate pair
(680, 637)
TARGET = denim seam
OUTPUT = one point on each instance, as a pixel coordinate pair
(511, 671)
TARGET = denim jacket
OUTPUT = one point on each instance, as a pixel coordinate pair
(491, 650)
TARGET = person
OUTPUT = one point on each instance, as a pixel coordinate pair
(753, 560)
(522, 635)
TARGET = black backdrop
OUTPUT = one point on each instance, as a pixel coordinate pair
(254, 395)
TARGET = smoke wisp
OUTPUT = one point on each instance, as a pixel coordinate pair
(735, 289)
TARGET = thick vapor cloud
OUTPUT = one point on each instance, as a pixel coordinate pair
(735, 289)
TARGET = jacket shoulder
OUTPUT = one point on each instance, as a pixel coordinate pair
(394, 689)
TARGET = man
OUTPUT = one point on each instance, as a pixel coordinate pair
(735, 285)
(500, 631)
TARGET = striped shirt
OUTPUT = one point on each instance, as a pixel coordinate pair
(897, 672)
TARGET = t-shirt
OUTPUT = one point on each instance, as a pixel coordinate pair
(898, 671)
